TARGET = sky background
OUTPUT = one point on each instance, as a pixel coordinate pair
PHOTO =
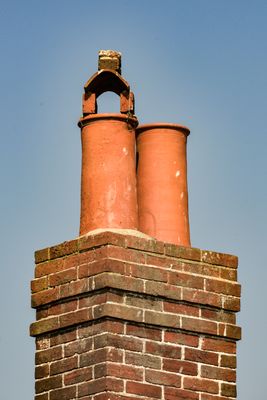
(201, 63)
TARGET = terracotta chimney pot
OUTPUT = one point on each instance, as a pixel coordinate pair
(108, 178)
(162, 182)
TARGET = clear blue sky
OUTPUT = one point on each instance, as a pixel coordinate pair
(201, 63)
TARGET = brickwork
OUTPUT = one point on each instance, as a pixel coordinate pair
(122, 317)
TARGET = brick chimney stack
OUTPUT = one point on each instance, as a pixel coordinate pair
(128, 310)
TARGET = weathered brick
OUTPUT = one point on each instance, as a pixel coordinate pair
(117, 341)
(222, 374)
(179, 394)
(162, 378)
(186, 280)
(228, 361)
(100, 385)
(228, 390)
(163, 290)
(46, 384)
(219, 345)
(179, 308)
(41, 255)
(39, 284)
(162, 319)
(200, 384)
(199, 325)
(144, 360)
(75, 317)
(78, 347)
(65, 276)
(146, 272)
(205, 357)
(77, 376)
(64, 365)
(64, 249)
(181, 338)
(129, 372)
(144, 302)
(143, 389)
(180, 367)
(219, 286)
(48, 355)
(163, 350)
(41, 371)
(63, 394)
(45, 297)
(63, 307)
(63, 337)
(144, 332)
(101, 355)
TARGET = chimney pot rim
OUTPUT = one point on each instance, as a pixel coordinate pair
(162, 125)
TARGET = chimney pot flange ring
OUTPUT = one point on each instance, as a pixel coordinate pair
(131, 121)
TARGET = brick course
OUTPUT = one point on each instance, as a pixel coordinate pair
(122, 317)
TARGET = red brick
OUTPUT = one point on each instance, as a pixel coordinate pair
(205, 357)
(118, 342)
(46, 384)
(111, 280)
(118, 370)
(118, 311)
(144, 302)
(103, 326)
(221, 315)
(186, 280)
(179, 394)
(43, 396)
(77, 376)
(198, 325)
(78, 347)
(163, 350)
(39, 284)
(144, 360)
(143, 389)
(181, 338)
(144, 332)
(162, 319)
(48, 355)
(228, 390)
(219, 286)
(101, 355)
(200, 384)
(65, 276)
(63, 308)
(202, 297)
(163, 290)
(64, 249)
(100, 385)
(180, 367)
(44, 326)
(41, 371)
(149, 245)
(219, 345)
(41, 255)
(228, 361)
(179, 308)
(100, 266)
(146, 272)
(130, 255)
(45, 297)
(212, 257)
(63, 394)
(75, 317)
(63, 337)
(162, 378)
(228, 273)
(64, 365)
(76, 287)
(222, 374)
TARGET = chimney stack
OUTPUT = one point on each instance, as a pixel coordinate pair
(121, 315)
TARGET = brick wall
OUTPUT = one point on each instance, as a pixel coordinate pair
(123, 317)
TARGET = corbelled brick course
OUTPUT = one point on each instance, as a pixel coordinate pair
(123, 317)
